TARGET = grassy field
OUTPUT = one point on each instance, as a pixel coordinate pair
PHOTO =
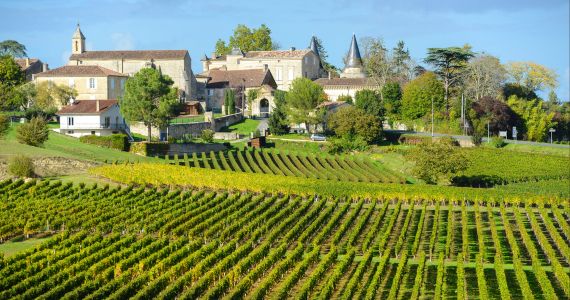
(538, 149)
(10, 248)
(59, 145)
(244, 127)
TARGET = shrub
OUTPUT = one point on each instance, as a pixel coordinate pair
(114, 141)
(34, 133)
(438, 160)
(207, 135)
(347, 144)
(171, 140)
(4, 125)
(149, 149)
(498, 142)
(21, 166)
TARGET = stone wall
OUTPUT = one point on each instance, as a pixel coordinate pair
(179, 130)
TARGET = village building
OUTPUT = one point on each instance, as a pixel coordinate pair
(31, 66)
(285, 65)
(90, 82)
(352, 79)
(91, 117)
(217, 81)
(174, 63)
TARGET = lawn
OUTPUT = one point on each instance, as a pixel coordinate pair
(539, 149)
(11, 248)
(243, 127)
(59, 145)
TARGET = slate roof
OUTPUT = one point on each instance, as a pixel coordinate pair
(131, 54)
(354, 59)
(234, 78)
(78, 71)
(86, 107)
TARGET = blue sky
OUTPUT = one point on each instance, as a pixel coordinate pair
(523, 30)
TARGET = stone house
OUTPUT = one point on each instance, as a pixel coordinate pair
(352, 79)
(90, 82)
(31, 66)
(174, 63)
(217, 81)
(285, 65)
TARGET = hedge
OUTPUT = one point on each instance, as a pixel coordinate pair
(114, 141)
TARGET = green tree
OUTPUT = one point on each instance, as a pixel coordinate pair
(247, 39)
(47, 95)
(345, 98)
(369, 101)
(149, 98)
(303, 98)
(536, 120)
(351, 122)
(418, 94)
(533, 76)
(402, 62)
(11, 76)
(277, 122)
(21, 166)
(229, 101)
(33, 133)
(377, 62)
(392, 99)
(435, 161)
(449, 64)
(12, 48)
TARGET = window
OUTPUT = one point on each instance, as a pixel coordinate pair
(70, 132)
(72, 83)
(112, 83)
(279, 75)
(69, 121)
(122, 84)
(91, 83)
(291, 73)
(93, 132)
(210, 92)
(107, 121)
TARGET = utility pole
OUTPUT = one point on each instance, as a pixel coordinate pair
(462, 113)
(432, 116)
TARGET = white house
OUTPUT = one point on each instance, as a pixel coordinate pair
(92, 117)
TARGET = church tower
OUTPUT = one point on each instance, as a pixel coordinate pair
(354, 67)
(78, 41)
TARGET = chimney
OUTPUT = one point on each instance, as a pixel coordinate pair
(330, 75)
(97, 106)
(27, 62)
(45, 67)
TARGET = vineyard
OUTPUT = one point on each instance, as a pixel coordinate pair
(150, 243)
(337, 168)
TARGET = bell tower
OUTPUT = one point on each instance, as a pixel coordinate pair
(78, 41)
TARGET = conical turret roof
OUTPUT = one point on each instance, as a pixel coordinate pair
(354, 60)
(78, 34)
(314, 46)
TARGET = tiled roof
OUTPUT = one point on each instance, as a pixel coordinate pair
(22, 62)
(253, 78)
(86, 107)
(76, 71)
(278, 54)
(345, 82)
(332, 104)
(131, 54)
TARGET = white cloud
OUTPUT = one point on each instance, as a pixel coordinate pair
(122, 41)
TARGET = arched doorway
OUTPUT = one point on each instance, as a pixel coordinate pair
(264, 108)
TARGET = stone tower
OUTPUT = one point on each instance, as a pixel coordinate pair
(78, 41)
(354, 67)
